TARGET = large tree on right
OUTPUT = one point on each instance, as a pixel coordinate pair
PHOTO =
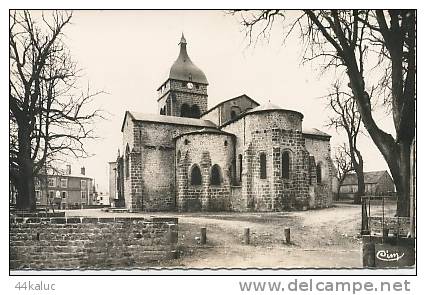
(352, 40)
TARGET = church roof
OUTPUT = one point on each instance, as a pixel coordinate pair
(270, 107)
(230, 99)
(206, 131)
(136, 116)
(315, 132)
(184, 69)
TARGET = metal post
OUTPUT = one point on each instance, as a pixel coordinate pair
(383, 218)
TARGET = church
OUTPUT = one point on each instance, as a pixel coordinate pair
(236, 156)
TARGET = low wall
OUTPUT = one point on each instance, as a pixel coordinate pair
(394, 224)
(90, 243)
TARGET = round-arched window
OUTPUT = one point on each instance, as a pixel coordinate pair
(196, 178)
(215, 178)
(195, 111)
(262, 160)
(319, 173)
(285, 165)
(178, 157)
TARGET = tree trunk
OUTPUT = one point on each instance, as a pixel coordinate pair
(26, 193)
(401, 177)
(359, 169)
(338, 192)
(396, 154)
(339, 187)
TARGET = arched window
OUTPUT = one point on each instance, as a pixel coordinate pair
(215, 178)
(162, 111)
(196, 175)
(319, 173)
(127, 162)
(240, 165)
(285, 165)
(233, 114)
(262, 160)
(195, 111)
(184, 110)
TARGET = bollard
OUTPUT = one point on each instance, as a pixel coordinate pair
(172, 235)
(246, 236)
(287, 235)
(203, 239)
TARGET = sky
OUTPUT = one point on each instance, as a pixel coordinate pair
(127, 54)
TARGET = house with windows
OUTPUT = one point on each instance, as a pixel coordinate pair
(377, 183)
(236, 156)
(65, 190)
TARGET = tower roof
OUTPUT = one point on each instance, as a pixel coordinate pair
(184, 69)
(267, 107)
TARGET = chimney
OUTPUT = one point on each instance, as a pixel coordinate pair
(83, 171)
(68, 169)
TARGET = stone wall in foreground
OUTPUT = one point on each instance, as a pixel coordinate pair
(395, 225)
(90, 243)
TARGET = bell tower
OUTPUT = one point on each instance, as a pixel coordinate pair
(184, 93)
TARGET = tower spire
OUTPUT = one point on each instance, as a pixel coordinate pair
(182, 40)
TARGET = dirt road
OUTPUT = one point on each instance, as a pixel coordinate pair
(319, 238)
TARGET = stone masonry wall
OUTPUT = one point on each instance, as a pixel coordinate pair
(129, 133)
(151, 184)
(270, 132)
(320, 150)
(395, 225)
(181, 94)
(276, 193)
(239, 129)
(238, 105)
(90, 243)
(221, 114)
(204, 150)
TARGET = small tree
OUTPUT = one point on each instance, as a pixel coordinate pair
(48, 119)
(342, 158)
(347, 117)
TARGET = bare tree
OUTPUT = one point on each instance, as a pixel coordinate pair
(342, 158)
(351, 40)
(347, 117)
(48, 115)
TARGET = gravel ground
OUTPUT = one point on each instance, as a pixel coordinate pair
(325, 238)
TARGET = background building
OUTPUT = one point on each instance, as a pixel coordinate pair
(377, 183)
(103, 199)
(65, 190)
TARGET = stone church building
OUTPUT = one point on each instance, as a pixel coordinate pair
(236, 156)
